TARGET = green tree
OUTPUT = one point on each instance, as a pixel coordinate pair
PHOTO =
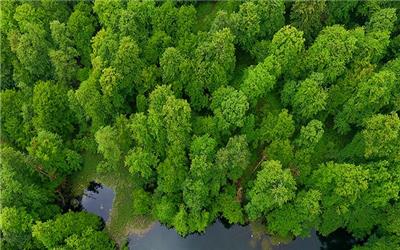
(260, 80)
(165, 209)
(141, 202)
(374, 39)
(91, 105)
(234, 158)
(332, 50)
(185, 21)
(203, 182)
(69, 229)
(109, 81)
(276, 127)
(138, 126)
(310, 97)
(214, 61)
(260, 50)
(229, 107)
(90, 239)
(82, 25)
(340, 12)
(108, 13)
(29, 42)
(369, 98)
(203, 145)
(280, 150)
(104, 46)
(127, 61)
(164, 18)
(109, 147)
(378, 243)
(246, 24)
(51, 109)
(172, 172)
(16, 123)
(298, 217)
(156, 45)
(175, 70)
(141, 162)
(135, 20)
(222, 20)
(65, 64)
(6, 70)
(382, 136)
(230, 206)
(272, 188)
(48, 150)
(16, 226)
(177, 120)
(308, 17)
(22, 187)
(383, 184)
(272, 16)
(306, 143)
(287, 46)
(180, 221)
(340, 184)
(64, 57)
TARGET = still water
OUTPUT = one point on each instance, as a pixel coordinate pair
(216, 237)
(98, 199)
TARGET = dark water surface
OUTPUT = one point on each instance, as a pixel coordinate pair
(98, 199)
(216, 237)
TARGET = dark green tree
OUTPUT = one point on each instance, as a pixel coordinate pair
(72, 230)
(51, 109)
(308, 17)
(229, 107)
(273, 188)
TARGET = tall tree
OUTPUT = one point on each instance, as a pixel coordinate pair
(382, 136)
(261, 79)
(332, 50)
(272, 16)
(246, 24)
(310, 97)
(234, 158)
(22, 186)
(287, 46)
(51, 109)
(82, 25)
(72, 229)
(273, 188)
(214, 61)
(370, 97)
(229, 107)
(308, 17)
(297, 217)
(340, 184)
(16, 226)
(52, 156)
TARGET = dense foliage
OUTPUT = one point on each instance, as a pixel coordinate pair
(281, 112)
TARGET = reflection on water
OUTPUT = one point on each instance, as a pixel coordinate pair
(98, 199)
(339, 239)
(216, 237)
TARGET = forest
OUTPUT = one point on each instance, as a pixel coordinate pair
(281, 112)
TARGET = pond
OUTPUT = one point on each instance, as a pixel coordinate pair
(216, 237)
(98, 199)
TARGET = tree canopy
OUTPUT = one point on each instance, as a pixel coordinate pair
(280, 112)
